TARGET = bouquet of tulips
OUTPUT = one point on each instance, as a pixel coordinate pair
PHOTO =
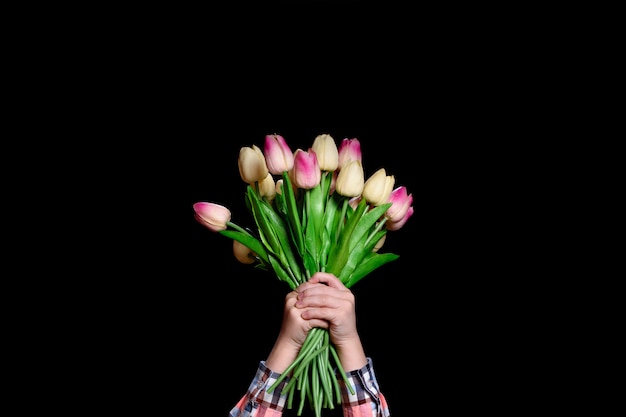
(314, 211)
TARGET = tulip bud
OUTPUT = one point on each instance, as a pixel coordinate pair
(278, 155)
(267, 188)
(252, 167)
(279, 186)
(350, 180)
(213, 216)
(326, 151)
(243, 253)
(306, 172)
(349, 150)
(400, 203)
(354, 202)
(380, 243)
(397, 225)
(378, 187)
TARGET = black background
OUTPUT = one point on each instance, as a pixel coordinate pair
(213, 318)
(187, 323)
(203, 320)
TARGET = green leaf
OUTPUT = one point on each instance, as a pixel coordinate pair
(330, 216)
(280, 204)
(250, 241)
(272, 225)
(282, 274)
(315, 207)
(326, 244)
(263, 224)
(366, 222)
(339, 255)
(357, 254)
(329, 233)
(292, 213)
(374, 261)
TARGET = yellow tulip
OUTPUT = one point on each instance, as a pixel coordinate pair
(252, 166)
(378, 187)
(326, 151)
(243, 253)
(350, 180)
(267, 188)
(379, 244)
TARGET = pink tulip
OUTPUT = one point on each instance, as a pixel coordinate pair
(306, 172)
(349, 150)
(278, 155)
(398, 225)
(400, 203)
(213, 216)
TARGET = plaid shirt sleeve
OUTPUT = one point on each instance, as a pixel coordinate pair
(257, 402)
(367, 400)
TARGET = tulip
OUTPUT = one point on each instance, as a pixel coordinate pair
(279, 186)
(326, 218)
(398, 224)
(378, 187)
(349, 150)
(243, 253)
(306, 171)
(213, 216)
(380, 243)
(326, 151)
(252, 166)
(278, 155)
(350, 180)
(354, 202)
(400, 203)
(267, 188)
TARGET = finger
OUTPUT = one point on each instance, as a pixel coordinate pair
(321, 289)
(330, 315)
(291, 299)
(291, 296)
(326, 278)
(306, 285)
(323, 296)
(316, 322)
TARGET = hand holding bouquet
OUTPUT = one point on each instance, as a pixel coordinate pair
(314, 211)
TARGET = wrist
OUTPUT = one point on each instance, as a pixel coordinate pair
(351, 354)
(283, 353)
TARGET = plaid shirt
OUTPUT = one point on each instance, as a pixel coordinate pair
(367, 400)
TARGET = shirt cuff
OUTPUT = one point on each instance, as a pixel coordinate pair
(363, 382)
(262, 381)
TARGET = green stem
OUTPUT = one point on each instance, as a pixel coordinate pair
(237, 227)
(303, 366)
(340, 369)
(309, 344)
(378, 227)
